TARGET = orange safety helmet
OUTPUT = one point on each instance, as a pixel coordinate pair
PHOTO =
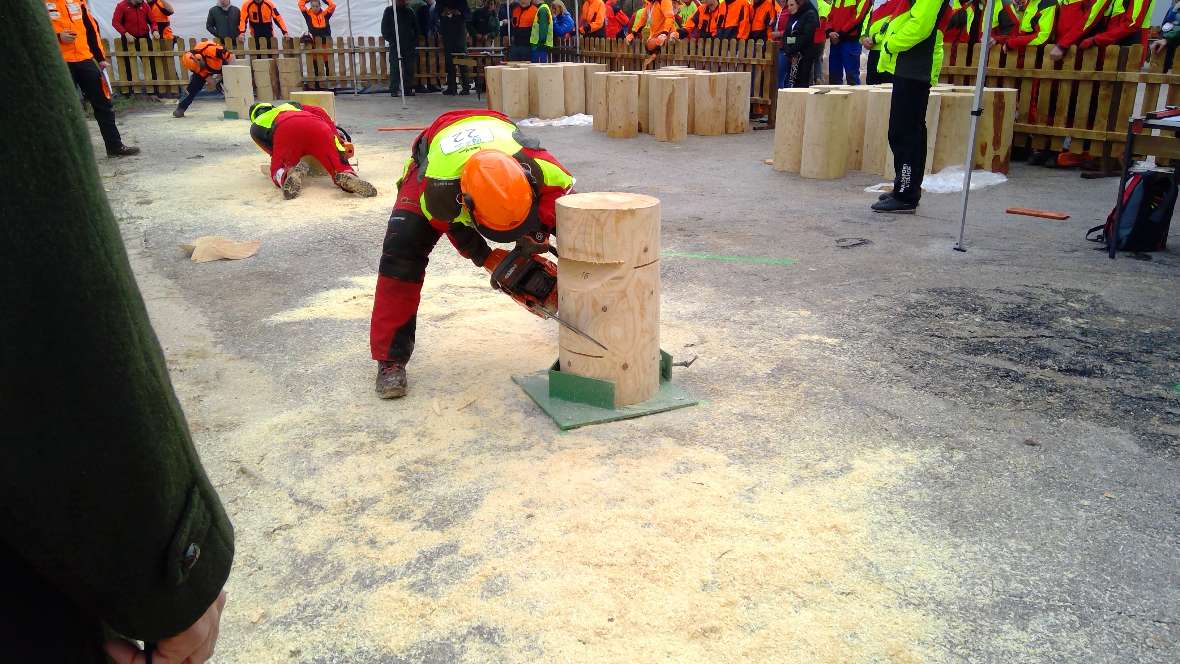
(656, 43)
(500, 194)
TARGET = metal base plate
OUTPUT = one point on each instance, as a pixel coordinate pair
(575, 401)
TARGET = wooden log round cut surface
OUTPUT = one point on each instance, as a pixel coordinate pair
(608, 285)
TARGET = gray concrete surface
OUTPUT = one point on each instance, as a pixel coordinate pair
(1036, 382)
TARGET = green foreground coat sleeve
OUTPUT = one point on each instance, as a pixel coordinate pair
(102, 489)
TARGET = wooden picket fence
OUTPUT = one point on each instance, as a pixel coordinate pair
(153, 66)
(1086, 98)
(757, 57)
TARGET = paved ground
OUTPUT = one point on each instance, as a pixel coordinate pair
(904, 453)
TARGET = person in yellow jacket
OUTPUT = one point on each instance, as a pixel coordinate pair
(911, 50)
(78, 38)
(873, 32)
(541, 37)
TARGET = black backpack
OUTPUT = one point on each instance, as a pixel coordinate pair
(1148, 202)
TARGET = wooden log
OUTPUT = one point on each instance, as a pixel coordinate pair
(993, 141)
(788, 128)
(588, 71)
(737, 101)
(609, 286)
(644, 113)
(1033, 212)
(876, 143)
(324, 99)
(668, 101)
(954, 130)
(825, 136)
(514, 92)
(858, 106)
(709, 113)
(574, 86)
(266, 84)
(622, 94)
(546, 91)
(290, 76)
(599, 108)
(495, 88)
(239, 89)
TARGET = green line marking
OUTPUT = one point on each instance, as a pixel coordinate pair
(1176, 388)
(755, 260)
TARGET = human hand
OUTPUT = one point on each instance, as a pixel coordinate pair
(67, 36)
(629, 38)
(192, 646)
(867, 42)
(104, 65)
(128, 36)
(1085, 44)
(834, 38)
(155, 34)
(1157, 46)
(1056, 53)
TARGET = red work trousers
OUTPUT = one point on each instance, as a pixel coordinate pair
(301, 134)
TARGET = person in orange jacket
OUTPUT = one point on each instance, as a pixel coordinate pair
(735, 25)
(161, 14)
(261, 16)
(762, 15)
(660, 20)
(318, 18)
(78, 38)
(203, 60)
(706, 21)
(593, 19)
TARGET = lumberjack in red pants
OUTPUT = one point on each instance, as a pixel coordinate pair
(289, 132)
(472, 175)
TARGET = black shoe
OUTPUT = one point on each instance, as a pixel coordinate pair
(178, 113)
(123, 151)
(391, 380)
(1038, 157)
(464, 91)
(892, 205)
(450, 92)
(433, 88)
(888, 194)
(409, 93)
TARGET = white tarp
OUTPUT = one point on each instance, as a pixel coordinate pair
(189, 19)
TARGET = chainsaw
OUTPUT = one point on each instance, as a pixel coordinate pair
(531, 280)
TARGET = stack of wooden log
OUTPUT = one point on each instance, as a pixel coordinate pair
(532, 90)
(670, 103)
(824, 131)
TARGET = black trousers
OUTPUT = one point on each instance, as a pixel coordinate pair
(195, 84)
(872, 76)
(802, 72)
(907, 136)
(128, 63)
(89, 79)
(408, 67)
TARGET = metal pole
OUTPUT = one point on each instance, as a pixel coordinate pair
(508, 13)
(397, 43)
(577, 32)
(352, 45)
(976, 111)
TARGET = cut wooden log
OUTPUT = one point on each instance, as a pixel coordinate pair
(622, 94)
(239, 89)
(599, 108)
(588, 71)
(546, 91)
(574, 87)
(825, 135)
(709, 118)
(609, 287)
(788, 128)
(737, 102)
(495, 87)
(954, 130)
(993, 140)
(266, 84)
(514, 84)
(668, 100)
(876, 143)
(857, 108)
(325, 99)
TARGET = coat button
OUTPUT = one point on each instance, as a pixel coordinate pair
(191, 554)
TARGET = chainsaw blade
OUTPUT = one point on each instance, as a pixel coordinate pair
(569, 326)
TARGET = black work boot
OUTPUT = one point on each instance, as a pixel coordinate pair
(391, 379)
(123, 151)
(894, 205)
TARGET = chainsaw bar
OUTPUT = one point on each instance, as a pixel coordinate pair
(569, 326)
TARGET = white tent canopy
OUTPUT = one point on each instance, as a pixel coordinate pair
(189, 19)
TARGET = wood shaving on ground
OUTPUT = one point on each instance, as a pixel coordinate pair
(215, 247)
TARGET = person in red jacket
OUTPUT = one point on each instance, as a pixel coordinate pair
(844, 25)
(617, 21)
(133, 21)
(1128, 23)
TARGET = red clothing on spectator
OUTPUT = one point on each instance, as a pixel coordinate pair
(617, 21)
(846, 19)
(1129, 23)
(135, 20)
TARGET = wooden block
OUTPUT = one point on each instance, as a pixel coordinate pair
(876, 142)
(494, 87)
(240, 105)
(266, 83)
(514, 82)
(668, 102)
(993, 140)
(324, 99)
(237, 80)
(609, 286)
(954, 130)
(737, 102)
(574, 87)
(857, 108)
(546, 91)
(788, 128)
(598, 105)
(644, 114)
(622, 95)
(588, 71)
(709, 112)
(1043, 214)
(825, 136)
